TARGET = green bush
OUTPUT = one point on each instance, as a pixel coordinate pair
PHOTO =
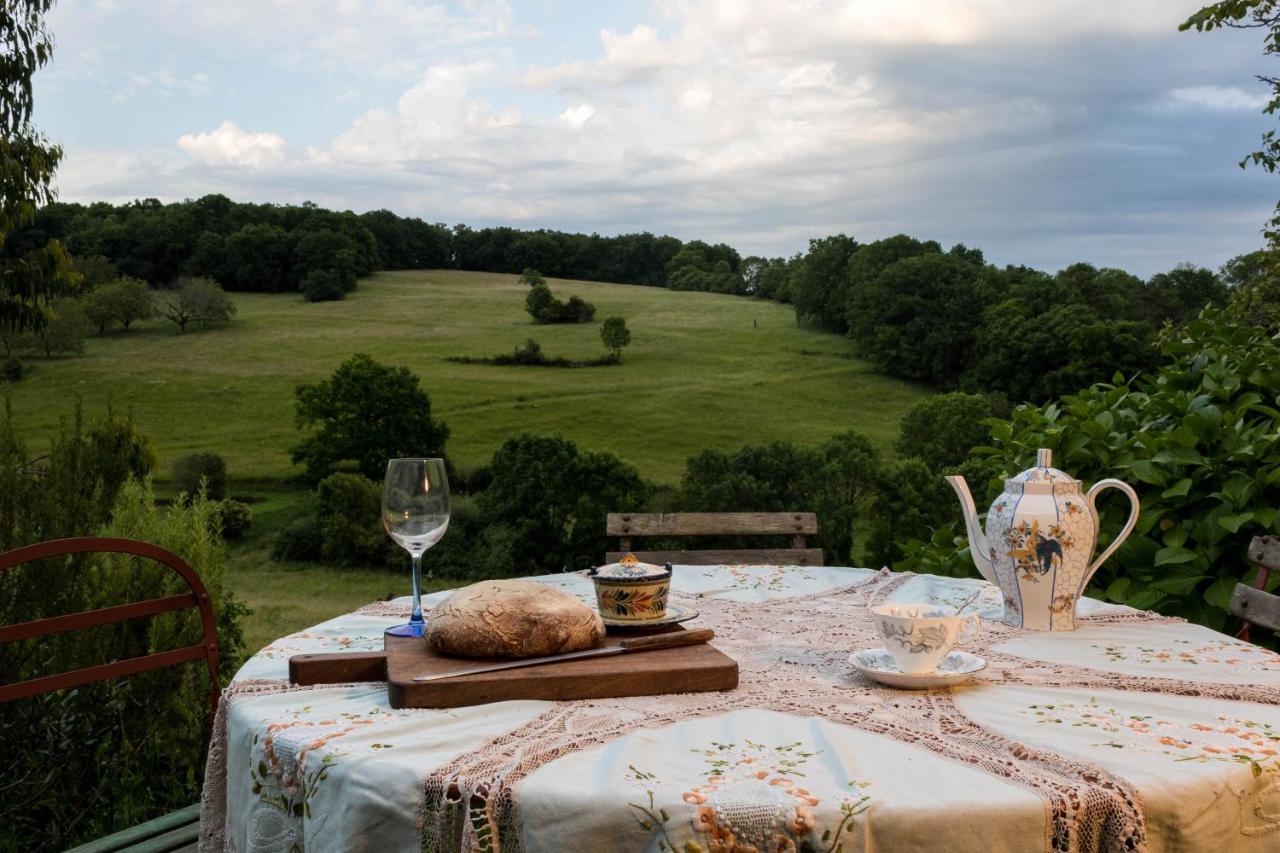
(1200, 440)
(112, 754)
(196, 470)
(942, 430)
(322, 286)
(349, 511)
(12, 369)
(543, 306)
(233, 517)
(299, 542)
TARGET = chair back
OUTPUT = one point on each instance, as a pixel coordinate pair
(797, 525)
(1252, 604)
(197, 597)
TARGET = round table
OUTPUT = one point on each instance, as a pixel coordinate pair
(1134, 732)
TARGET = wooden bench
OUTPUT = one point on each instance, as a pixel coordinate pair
(1253, 604)
(178, 830)
(797, 525)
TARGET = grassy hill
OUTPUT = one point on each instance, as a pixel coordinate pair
(703, 370)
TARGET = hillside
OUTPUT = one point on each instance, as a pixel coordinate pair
(703, 370)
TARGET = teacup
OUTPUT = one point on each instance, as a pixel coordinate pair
(919, 636)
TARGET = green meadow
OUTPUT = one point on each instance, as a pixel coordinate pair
(703, 371)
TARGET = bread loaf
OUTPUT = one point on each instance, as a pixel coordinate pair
(512, 619)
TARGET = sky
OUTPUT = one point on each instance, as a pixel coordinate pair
(1044, 133)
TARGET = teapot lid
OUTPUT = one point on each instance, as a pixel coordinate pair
(1044, 472)
(629, 568)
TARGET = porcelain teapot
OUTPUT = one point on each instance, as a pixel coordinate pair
(1039, 542)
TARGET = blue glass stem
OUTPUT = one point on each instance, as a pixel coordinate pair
(416, 624)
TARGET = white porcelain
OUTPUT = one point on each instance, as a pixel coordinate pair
(955, 668)
(1039, 541)
(920, 635)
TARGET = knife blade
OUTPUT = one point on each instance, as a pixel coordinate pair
(638, 644)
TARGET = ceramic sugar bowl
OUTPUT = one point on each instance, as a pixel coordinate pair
(1039, 541)
(630, 591)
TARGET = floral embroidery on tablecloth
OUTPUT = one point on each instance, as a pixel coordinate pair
(751, 800)
(305, 641)
(742, 579)
(1226, 738)
(1241, 657)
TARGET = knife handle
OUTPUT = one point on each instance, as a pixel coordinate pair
(663, 641)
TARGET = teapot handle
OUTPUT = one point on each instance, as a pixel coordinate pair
(1092, 498)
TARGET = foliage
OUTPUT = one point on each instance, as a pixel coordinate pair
(911, 500)
(532, 277)
(349, 512)
(529, 352)
(233, 517)
(94, 270)
(942, 430)
(699, 266)
(204, 470)
(1199, 438)
(920, 316)
(615, 335)
(322, 286)
(63, 334)
(818, 282)
(12, 369)
(37, 270)
(121, 300)
(194, 300)
(836, 480)
(552, 499)
(329, 251)
(367, 413)
(95, 759)
(543, 306)
(299, 542)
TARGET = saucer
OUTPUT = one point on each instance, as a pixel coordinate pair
(879, 665)
(675, 614)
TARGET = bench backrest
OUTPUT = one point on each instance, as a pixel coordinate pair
(1253, 604)
(197, 597)
(797, 525)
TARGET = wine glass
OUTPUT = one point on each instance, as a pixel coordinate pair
(415, 513)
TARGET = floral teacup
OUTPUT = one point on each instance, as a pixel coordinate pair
(919, 636)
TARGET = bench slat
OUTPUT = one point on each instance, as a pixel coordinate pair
(144, 831)
(761, 556)
(1256, 607)
(710, 523)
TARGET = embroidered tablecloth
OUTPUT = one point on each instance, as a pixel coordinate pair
(1135, 732)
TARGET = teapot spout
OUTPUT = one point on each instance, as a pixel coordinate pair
(978, 546)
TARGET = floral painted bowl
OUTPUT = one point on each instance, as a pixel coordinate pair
(631, 591)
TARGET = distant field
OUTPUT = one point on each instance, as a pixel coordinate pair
(703, 370)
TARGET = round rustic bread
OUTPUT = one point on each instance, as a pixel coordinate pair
(512, 619)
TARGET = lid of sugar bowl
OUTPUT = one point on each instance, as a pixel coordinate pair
(630, 568)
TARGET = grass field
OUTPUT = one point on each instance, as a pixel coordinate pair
(703, 370)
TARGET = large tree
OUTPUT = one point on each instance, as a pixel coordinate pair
(31, 277)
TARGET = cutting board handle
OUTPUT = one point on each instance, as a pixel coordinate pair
(664, 641)
(338, 667)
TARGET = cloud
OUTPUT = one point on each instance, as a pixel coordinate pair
(228, 145)
(1219, 98)
(1043, 133)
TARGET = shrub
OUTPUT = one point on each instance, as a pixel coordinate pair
(943, 429)
(322, 286)
(1199, 438)
(349, 512)
(532, 277)
(12, 369)
(194, 300)
(543, 306)
(122, 300)
(367, 413)
(529, 352)
(112, 743)
(206, 467)
(299, 542)
(233, 517)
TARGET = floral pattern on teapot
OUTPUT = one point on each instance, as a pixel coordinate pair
(1039, 543)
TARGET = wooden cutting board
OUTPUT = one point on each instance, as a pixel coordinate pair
(684, 669)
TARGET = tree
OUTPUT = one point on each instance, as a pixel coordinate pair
(194, 300)
(31, 277)
(259, 257)
(324, 250)
(532, 277)
(94, 270)
(122, 301)
(322, 286)
(65, 332)
(366, 413)
(818, 283)
(615, 335)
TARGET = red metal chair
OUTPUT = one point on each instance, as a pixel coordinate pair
(155, 833)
